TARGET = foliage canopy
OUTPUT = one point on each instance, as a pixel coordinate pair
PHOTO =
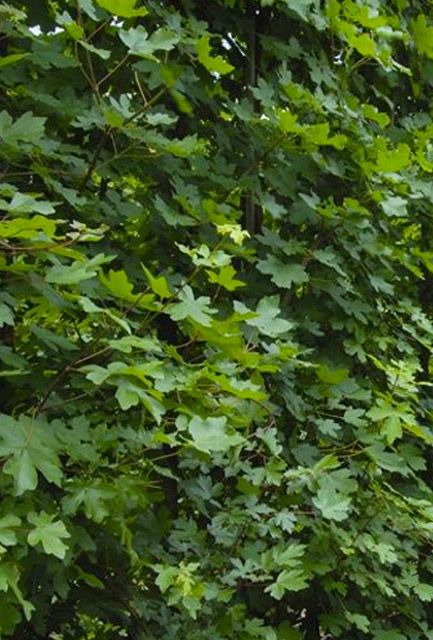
(216, 319)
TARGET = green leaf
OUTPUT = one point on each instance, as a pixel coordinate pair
(118, 284)
(424, 592)
(122, 8)
(211, 434)
(287, 632)
(301, 7)
(141, 44)
(13, 58)
(185, 147)
(77, 271)
(30, 446)
(9, 576)
(105, 54)
(128, 396)
(27, 128)
(88, 8)
(381, 410)
(288, 580)
(72, 27)
(128, 343)
(423, 35)
(358, 620)
(23, 469)
(49, 533)
(330, 375)
(225, 278)
(195, 309)
(394, 206)
(158, 285)
(364, 44)
(253, 410)
(27, 203)
(266, 317)
(35, 229)
(234, 231)
(392, 428)
(90, 579)
(166, 577)
(289, 556)
(96, 498)
(333, 505)
(377, 116)
(389, 635)
(392, 160)
(6, 315)
(52, 340)
(283, 275)
(8, 526)
(393, 418)
(288, 122)
(328, 427)
(215, 64)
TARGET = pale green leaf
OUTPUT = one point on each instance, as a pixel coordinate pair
(166, 577)
(23, 469)
(282, 274)
(212, 434)
(141, 44)
(288, 580)
(8, 527)
(195, 309)
(265, 318)
(49, 533)
(6, 315)
(424, 591)
(333, 505)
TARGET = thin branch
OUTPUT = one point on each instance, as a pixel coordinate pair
(94, 160)
(140, 88)
(113, 70)
(80, 64)
(94, 84)
(98, 29)
(145, 107)
(64, 371)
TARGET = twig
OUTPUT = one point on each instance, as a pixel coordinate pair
(140, 88)
(94, 160)
(113, 70)
(98, 29)
(58, 378)
(145, 107)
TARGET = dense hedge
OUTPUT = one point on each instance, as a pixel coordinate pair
(216, 310)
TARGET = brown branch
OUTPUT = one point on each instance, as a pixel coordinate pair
(145, 107)
(98, 29)
(140, 88)
(113, 70)
(94, 160)
(59, 378)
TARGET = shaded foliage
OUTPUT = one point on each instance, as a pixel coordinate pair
(216, 322)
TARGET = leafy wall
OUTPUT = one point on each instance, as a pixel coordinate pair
(216, 300)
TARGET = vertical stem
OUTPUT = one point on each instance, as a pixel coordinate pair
(250, 206)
